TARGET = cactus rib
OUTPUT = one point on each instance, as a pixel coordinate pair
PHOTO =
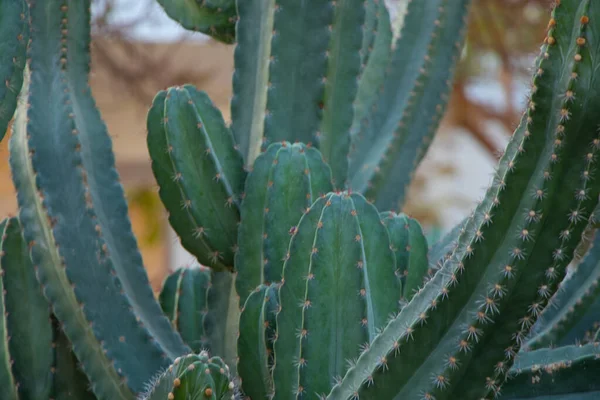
(298, 65)
(184, 299)
(7, 380)
(285, 180)
(573, 310)
(199, 172)
(340, 286)
(414, 93)
(410, 247)
(27, 317)
(14, 31)
(255, 342)
(251, 75)
(341, 85)
(508, 259)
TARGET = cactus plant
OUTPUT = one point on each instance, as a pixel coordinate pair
(307, 286)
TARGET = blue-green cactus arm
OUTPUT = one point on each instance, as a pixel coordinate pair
(400, 127)
(459, 335)
(252, 54)
(563, 373)
(75, 216)
(14, 34)
(573, 310)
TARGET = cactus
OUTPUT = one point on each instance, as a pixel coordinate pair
(285, 180)
(569, 373)
(573, 312)
(184, 299)
(193, 376)
(258, 327)
(303, 288)
(215, 18)
(14, 30)
(201, 193)
(410, 247)
(338, 255)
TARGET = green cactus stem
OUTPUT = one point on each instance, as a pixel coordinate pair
(74, 213)
(574, 309)
(14, 34)
(199, 172)
(193, 376)
(215, 18)
(27, 315)
(255, 342)
(401, 123)
(285, 180)
(458, 337)
(410, 247)
(378, 29)
(340, 286)
(70, 383)
(7, 380)
(565, 373)
(254, 31)
(184, 299)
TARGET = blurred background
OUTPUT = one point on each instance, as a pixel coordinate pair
(137, 51)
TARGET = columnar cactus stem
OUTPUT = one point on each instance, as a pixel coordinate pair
(340, 286)
(199, 172)
(508, 262)
(284, 182)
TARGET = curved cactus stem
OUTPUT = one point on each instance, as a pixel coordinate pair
(284, 182)
(373, 74)
(400, 127)
(574, 309)
(340, 286)
(70, 383)
(75, 216)
(193, 376)
(7, 380)
(215, 18)
(14, 35)
(565, 373)
(27, 316)
(199, 172)
(255, 342)
(480, 306)
(410, 247)
(184, 299)
(254, 31)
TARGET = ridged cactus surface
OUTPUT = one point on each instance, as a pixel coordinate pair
(258, 330)
(184, 299)
(410, 247)
(194, 376)
(399, 126)
(340, 285)
(14, 31)
(75, 215)
(199, 172)
(460, 334)
(285, 180)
